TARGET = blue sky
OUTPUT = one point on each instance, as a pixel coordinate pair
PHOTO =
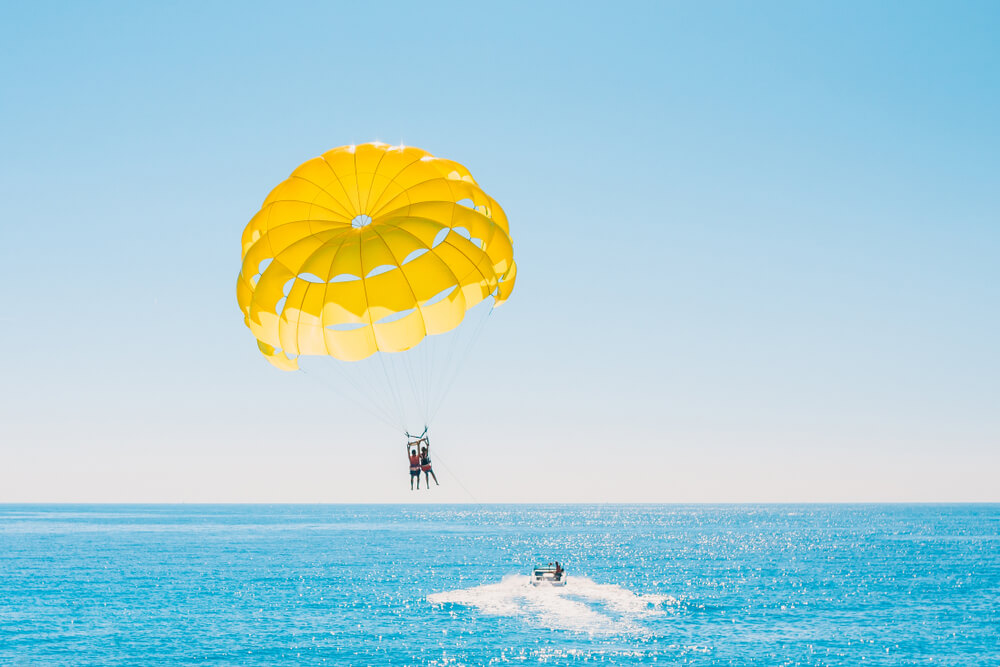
(758, 247)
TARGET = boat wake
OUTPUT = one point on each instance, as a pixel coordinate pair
(581, 605)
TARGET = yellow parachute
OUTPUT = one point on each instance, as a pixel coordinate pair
(370, 248)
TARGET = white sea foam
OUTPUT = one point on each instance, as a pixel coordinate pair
(582, 605)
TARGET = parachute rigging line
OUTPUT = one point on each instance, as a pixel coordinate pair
(450, 379)
(437, 457)
(377, 414)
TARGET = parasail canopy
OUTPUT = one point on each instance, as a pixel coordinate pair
(370, 248)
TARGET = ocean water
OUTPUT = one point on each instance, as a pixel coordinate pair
(446, 585)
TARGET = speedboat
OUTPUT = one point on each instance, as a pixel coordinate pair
(548, 575)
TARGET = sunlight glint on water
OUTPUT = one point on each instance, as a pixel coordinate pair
(448, 584)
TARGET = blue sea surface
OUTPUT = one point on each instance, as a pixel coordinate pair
(447, 584)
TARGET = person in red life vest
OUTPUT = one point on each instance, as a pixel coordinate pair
(425, 465)
(414, 456)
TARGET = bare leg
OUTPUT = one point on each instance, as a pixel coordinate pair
(435, 478)
(418, 482)
(427, 479)
(411, 482)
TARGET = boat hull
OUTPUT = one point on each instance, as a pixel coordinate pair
(547, 582)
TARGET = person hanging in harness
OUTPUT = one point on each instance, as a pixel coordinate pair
(425, 465)
(420, 459)
(414, 457)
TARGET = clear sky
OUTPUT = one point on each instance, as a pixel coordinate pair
(759, 247)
